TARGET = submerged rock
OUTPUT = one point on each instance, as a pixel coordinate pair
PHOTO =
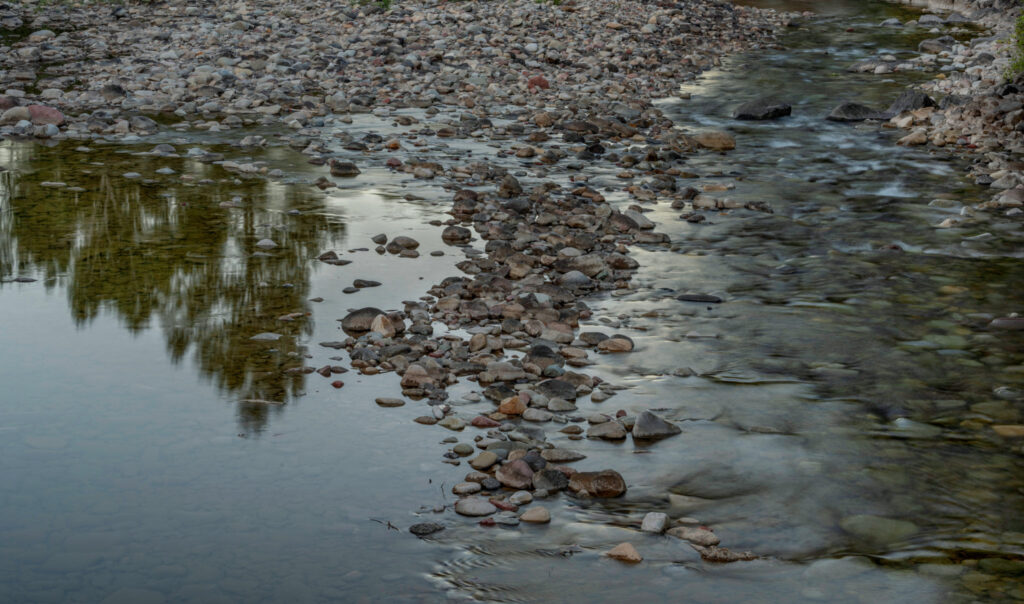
(762, 109)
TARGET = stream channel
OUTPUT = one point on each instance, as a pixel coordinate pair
(836, 408)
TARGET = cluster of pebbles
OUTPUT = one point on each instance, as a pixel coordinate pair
(973, 105)
(580, 73)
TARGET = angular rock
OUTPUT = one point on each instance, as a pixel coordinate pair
(625, 552)
(515, 474)
(649, 426)
(654, 522)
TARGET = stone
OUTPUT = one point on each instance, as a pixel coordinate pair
(474, 506)
(466, 488)
(360, 321)
(390, 402)
(557, 388)
(382, 324)
(603, 484)
(520, 498)
(423, 529)
(452, 423)
(910, 100)
(41, 115)
(484, 460)
(854, 112)
(265, 244)
(537, 415)
(550, 480)
(700, 536)
(344, 168)
(649, 426)
(914, 139)
(716, 140)
(654, 522)
(625, 552)
(536, 515)
(607, 431)
(721, 554)
(561, 455)
(762, 109)
(512, 405)
(515, 474)
(616, 343)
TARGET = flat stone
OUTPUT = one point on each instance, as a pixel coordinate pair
(390, 402)
(536, 515)
(561, 455)
(877, 529)
(423, 529)
(515, 474)
(474, 506)
(697, 535)
(607, 431)
(484, 460)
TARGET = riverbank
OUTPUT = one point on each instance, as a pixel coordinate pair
(982, 103)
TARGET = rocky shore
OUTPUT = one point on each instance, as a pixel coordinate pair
(975, 105)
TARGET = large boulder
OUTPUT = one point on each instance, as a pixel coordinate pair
(762, 109)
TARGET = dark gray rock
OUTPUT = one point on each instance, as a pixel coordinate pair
(909, 101)
(649, 426)
(425, 528)
(936, 45)
(762, 109)
(854, 112)
(557, 388)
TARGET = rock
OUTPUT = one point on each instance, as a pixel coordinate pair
(265, 244)
(762, 109)
(537, 415)
(360, 321)
(649, 426)
(474, 506)
(456, 234)
(466, 488)
(515, 474)
(520, 498)
(716, 140)
(512, 405)
(423, 529)
(536, 515)
(936, 45)
(41, 115)
(550, 480)
(877, 529)
(557, 388)
(484, 460)
(607, 431)
(604, 484)
(616, 343)
(382, 324)
(703, 298)
(343, 168)
(561, 455)
(266, 337)
(452, 423)
(380, 239)
(914, 139)
(721, 554)
(390, 402)
(910, 100)
(700, 536)
(854, 112)
(654, 522)
(15, 115)
(463, 449)
(625, 552)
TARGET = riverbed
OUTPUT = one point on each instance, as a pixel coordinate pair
(836, 408)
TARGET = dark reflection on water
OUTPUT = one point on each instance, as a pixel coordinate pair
(171, 254)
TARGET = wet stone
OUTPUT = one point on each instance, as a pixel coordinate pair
(474, 506)
(423, 529)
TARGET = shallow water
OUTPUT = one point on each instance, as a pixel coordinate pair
(152, 450)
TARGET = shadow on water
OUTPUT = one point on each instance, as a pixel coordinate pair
(167, 253)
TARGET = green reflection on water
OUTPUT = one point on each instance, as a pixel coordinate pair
(169, 252)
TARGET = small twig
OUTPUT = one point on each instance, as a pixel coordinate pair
(386, 523)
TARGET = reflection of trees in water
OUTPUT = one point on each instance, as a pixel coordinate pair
(171, 253)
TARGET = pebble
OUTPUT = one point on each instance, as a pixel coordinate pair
(624, 552)
(536, 515)
(474, 506)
